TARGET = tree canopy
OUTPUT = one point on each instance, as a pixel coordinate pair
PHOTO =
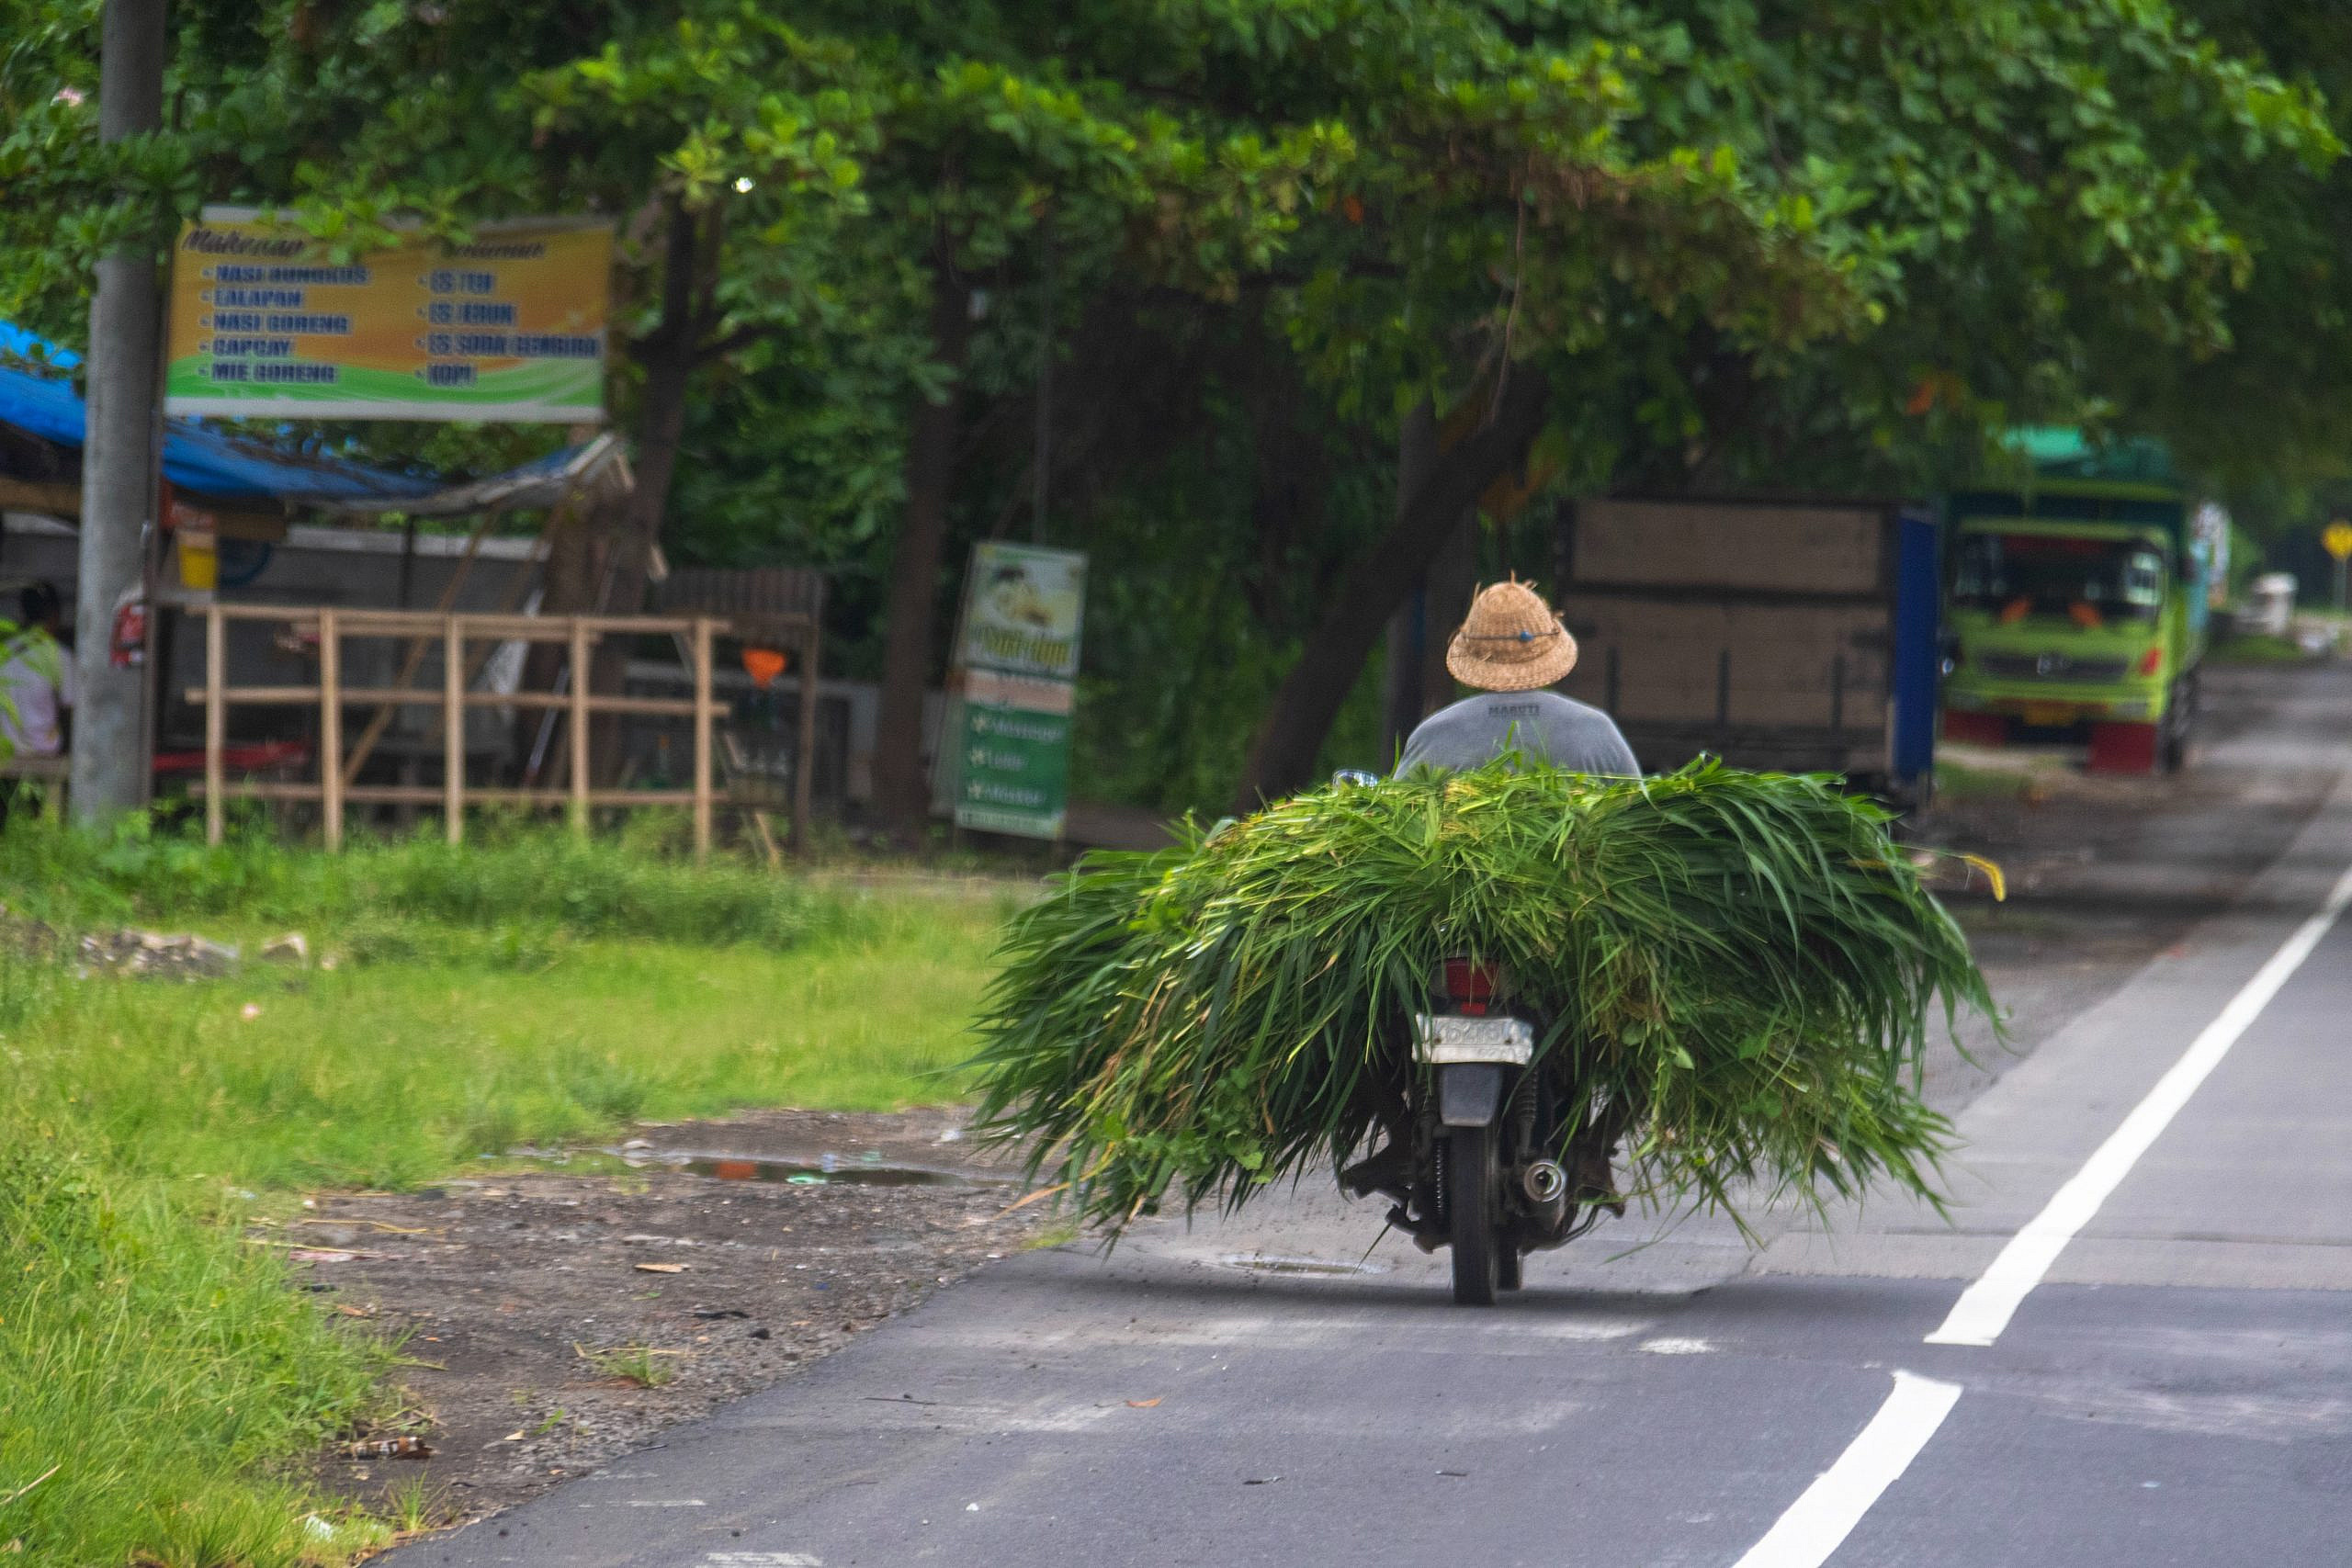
(1657, 243)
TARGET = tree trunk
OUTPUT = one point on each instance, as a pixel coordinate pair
(902, 792)
(1409, 627)
(667, 357)
(627, 566)
(1284, 752)
(575, 565)
(599, 562)
(1446, 592)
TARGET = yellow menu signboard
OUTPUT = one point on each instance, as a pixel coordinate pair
(265, 322)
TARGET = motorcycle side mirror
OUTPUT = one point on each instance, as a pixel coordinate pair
(1355, 776)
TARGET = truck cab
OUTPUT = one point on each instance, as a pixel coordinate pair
(2075, 612)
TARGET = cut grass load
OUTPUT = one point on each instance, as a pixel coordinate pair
(1742, 960)
(161, 1381)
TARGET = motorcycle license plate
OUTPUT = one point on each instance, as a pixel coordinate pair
(1446, 1039)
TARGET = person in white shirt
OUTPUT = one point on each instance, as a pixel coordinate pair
(35, 677)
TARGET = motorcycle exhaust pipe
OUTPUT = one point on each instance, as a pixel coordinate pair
(1543, 1183)
(1546, 1189)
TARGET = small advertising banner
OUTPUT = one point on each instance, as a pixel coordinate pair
(1005, 759)
(1021, 608)
(511, 327)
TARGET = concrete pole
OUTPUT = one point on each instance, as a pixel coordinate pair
(110, 764)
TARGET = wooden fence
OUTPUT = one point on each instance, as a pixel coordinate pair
(335, 788)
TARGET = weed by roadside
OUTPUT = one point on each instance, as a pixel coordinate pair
(413, 1507)
(639, 1365)
(154, 1374)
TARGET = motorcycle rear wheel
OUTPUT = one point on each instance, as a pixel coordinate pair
(1469, 1203)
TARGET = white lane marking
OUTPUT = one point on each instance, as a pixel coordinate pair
(1818, 1522)
(1673, 1347)
(1985, 1307)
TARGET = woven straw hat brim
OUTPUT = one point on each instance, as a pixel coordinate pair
(1468, 665)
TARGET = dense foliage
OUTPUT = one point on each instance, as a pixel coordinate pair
(1742, 959)
(1803, 245)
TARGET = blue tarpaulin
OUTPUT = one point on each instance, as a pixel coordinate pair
(198, 458)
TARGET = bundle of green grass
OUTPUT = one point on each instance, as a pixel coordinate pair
(1743, 961)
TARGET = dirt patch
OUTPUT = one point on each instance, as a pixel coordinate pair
(554, 1319)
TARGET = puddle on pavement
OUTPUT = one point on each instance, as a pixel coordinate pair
(1277, 1263)
(858, 1170)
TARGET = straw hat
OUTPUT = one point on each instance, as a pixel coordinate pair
(1511, 641)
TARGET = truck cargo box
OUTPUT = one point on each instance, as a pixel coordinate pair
(1795, 635)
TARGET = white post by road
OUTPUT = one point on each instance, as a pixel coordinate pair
(109, 762)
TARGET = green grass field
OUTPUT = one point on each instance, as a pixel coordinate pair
(159, 1383)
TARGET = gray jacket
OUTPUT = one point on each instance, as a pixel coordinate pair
(1541, 726)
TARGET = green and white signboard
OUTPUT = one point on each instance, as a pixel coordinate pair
(1005, 759)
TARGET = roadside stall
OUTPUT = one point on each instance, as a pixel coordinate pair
(302, 607)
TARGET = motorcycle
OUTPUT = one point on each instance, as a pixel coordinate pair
(1490, 1151)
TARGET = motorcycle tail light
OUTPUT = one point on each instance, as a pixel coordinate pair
(1470, 985)
(2149, 661)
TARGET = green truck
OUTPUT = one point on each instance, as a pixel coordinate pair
(2076, 605)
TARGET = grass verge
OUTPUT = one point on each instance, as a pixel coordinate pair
(159, 1380)
(2258, 648)
(155, 1376)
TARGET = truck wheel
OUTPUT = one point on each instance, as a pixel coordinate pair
(2180, 718)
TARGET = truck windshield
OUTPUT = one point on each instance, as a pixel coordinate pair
(2115, 579)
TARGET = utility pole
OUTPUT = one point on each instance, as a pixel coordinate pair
(119, 457)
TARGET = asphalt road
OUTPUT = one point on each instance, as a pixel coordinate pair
(2174, 1387)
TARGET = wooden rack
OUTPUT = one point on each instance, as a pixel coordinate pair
(333, 790)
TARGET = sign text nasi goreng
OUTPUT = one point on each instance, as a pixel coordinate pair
(266, 322)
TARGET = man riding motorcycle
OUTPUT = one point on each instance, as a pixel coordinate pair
(1510, 648)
